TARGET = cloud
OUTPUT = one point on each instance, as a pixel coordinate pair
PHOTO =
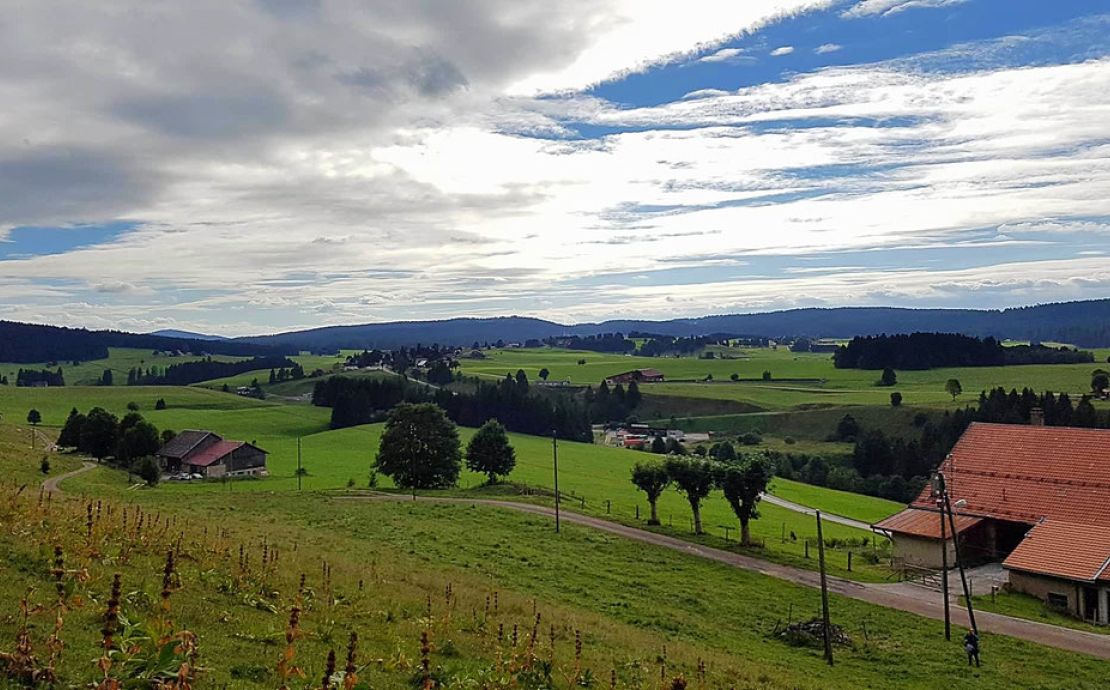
(782, 50)
(827, 48)
(866, 8)
(730, 55)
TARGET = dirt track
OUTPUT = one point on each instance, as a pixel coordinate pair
(51, 484)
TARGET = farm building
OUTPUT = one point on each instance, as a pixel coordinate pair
(637, 375)
(209, 455)
(1035, 498)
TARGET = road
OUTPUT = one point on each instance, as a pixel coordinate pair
(900, 596)
(806, 510)
(51, 484)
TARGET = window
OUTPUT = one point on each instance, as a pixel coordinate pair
(1058, 601)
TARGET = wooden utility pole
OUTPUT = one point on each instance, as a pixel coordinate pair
(944, 567)
(555, 465)
(960, 564)
(825, 624)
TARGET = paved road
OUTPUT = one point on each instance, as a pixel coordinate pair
(806, 510)
(901, 596)
(51, 484)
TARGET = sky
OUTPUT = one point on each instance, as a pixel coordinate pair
(253, 166)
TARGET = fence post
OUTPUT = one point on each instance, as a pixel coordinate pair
(608, 507)
(849, 561)
(807, 548)
(637, 511)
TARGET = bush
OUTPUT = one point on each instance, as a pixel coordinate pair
(789, 440)
(751, 439)
(895, 399)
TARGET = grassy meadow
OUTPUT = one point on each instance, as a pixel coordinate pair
(120, 360)
(396, 570)
(797, 378)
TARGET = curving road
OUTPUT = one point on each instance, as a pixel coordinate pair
(901, 596)
(50, 485)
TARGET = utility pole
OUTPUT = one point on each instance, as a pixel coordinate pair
(824, 592)
(555, 465)
(944, 558)
(300, 471)
(960, 564)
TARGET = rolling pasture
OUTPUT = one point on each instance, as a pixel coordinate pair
(120, 360)
(798, 378)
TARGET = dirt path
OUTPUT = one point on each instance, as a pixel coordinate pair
(806, 510)
(901, 596)
(51, 484)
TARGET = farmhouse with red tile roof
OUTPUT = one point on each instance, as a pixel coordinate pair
(1037, 498)
(209, 455)
(638, 375)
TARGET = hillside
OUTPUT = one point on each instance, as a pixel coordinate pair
(27, 343)
(1082, 323)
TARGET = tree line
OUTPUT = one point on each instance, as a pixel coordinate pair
(187, 373)
(360, 400)
(604, 342)
(30, 377)
(933, 350)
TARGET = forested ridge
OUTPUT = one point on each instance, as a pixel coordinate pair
(932, 350)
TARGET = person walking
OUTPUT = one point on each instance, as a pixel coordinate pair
(971, 646)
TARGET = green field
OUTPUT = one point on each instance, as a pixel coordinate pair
(635, 606)
(867, 509)
(120, 360)
(797, 378)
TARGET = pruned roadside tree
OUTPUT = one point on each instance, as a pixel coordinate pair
(652, 478)
(420, 448)
(490, 453)
(742, 484)
(693, 477)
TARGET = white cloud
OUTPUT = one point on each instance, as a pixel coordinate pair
(782, 50)
(827, 48)
(866, 8)
(725, 55)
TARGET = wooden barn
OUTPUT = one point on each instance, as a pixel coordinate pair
(209, 455)
(637, 375)
(1035, 498)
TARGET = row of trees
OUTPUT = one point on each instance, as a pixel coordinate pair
(742, 481)
(604, 342)
(187, 373)
(360, 400)
(932, 350)
(30, 377)
(420, 449)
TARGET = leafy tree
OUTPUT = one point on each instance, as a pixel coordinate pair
(44, 466)
(34, 417)
(439, 373)
(742, 485)
(693, 477)
(847, 429)
(751, 438)
(722, 451)
(420, 447)
(889, 378)
(137, 441)
(133, 406)
(521, 381)
(633, 397)
(70, 437)
(734, 376)
(766, 376)
(168, 435)
(106, 378)
(658, 445)
(895, 399)
(952, 387)
(651, 478)
(489, 452)
(544, 373)
(161, 404)
(147, 469)
(99, 433)
(675, 447)
(1100, 381)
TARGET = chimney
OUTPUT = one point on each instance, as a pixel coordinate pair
(1036, 417)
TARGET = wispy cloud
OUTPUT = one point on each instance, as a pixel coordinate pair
(866, 8)
(827, 48)
(782, 50)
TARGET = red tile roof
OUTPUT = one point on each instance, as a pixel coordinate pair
(924, 523)
(1025, 473)
(213, 453)
(1062, 549)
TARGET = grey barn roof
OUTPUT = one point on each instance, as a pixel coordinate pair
(183, 443)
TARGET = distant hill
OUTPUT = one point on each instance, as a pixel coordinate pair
(32, 343)
(186, 335)
(1082, 323)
